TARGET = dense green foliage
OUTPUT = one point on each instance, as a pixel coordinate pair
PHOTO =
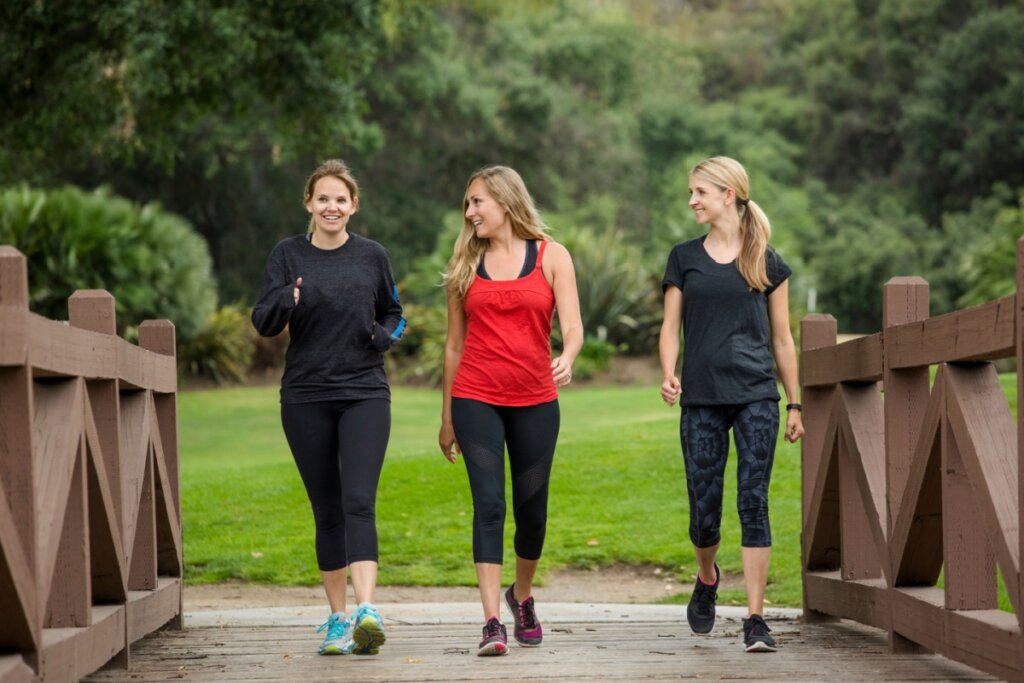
(153, 263)
(883, 137)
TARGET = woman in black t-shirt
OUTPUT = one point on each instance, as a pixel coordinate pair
(729, 290)
(336, 294)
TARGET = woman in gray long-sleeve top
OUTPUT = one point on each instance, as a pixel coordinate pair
(336, 293)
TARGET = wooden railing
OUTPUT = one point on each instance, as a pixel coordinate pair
(905, 478)
(90, 514)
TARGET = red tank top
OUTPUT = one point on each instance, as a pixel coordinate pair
(506, 359)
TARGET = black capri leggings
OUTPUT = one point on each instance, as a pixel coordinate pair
(339, 449)
(704, 432)
(482, 431)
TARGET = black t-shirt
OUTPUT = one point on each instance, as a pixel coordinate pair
(727, 356)
(348, 314)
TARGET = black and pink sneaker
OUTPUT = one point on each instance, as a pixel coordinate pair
(528, 631)
(495, 640)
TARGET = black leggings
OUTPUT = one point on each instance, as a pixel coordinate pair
(482, 430)
(339, 448)
(704, 432)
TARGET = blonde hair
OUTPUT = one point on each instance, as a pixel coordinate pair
(331, 168)
(755, 230)
(508, 189)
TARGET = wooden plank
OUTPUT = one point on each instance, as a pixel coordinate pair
(573, 652)
(71, 653)
(1019, 338)
(816, 331)
(988, 640)
(915, 546)
(918, 614)
(58, 349)
(56, 439)
(904, 300)
(858, 360)
(16, 469)
(13, 669)
(969, 561)
(166, 409)
(14, 336)
(141, 369)
(982, 332)
(70, 594)
(108, 554)
(149, 610)
(142, 574)
(863, 601)
(19, 628)
(980, 420)
(862, 448)
(134, 453)
(821, 529)
(13, 277)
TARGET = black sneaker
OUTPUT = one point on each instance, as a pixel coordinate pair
(700, 613)
(755, 635)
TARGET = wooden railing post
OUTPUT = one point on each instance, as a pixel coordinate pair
(21, 624)
(904, 300)
(1018, 325)
(816, 331)
(94, 310)
(159, 336)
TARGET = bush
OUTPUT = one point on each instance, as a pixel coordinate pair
(223, 347)
(153, 262)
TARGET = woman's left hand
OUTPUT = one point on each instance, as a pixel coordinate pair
(561, 370)
(794, 426)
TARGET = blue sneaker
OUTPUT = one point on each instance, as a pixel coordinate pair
(338, 640)
(367, 630)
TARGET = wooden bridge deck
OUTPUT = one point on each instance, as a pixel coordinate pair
(635, 648)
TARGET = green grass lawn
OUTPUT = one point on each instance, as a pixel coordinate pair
(618, 494)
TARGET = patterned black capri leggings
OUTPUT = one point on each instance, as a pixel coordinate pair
(704, 433)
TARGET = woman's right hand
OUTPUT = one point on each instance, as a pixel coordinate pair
(670, 390)
(295, 292)
(446, 439)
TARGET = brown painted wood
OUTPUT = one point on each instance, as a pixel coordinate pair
(17, 483)
(19, 628)
(71, 653)
(968, 558)
(979, 333)
(146, 611)
(821, 538)
(93, 309)
(14, 336)
(13, 277)
(816, 331)
(918, 614)
(904, 300)
(858, 360)
(862, 441)
(987, 640)
(1019, 340)
(982, 425)
(57, 428)
(915, 547)
(134, 453)
(70, 595)
(863, 601)
(13, 669)
(142, 560)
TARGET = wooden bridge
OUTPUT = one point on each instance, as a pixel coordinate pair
(906, 479)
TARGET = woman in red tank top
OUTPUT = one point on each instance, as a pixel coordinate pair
(504, 281)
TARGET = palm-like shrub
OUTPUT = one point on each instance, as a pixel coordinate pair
(619, 296)
(223, 347)
(153, 262)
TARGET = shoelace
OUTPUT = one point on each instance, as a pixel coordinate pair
(757, 627)
(492, 628)
(336, 627)
(527, 614)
